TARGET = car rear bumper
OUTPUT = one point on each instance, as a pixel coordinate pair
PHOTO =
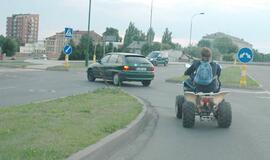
(136, 76)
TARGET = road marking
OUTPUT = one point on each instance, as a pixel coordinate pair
(41, 90)
(264, 97)
(7, 88)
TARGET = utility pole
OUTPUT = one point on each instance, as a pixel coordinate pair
(88, 40)
(151, 14)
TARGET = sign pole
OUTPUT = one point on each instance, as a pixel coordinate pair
(94, 56)
(66, 65)
(243, 79)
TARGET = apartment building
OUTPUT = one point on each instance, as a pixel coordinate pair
(23, 27)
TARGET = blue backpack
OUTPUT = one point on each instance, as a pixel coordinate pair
(204, 74)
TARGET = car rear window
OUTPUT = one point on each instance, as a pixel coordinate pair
(153, 54)
(136, 60)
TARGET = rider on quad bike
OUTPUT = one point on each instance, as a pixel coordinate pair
(202, 96)
(204, 75)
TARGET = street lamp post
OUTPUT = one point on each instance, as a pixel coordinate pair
(191, 25)
(88, 39)
(151, 21)
(151, 14)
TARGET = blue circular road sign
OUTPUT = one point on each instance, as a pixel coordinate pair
(245, 55)
(67, 50)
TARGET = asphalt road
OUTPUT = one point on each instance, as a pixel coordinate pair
(247, 139)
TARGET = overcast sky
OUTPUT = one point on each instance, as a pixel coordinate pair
(247, 19)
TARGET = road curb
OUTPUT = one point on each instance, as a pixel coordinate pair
(109, 145)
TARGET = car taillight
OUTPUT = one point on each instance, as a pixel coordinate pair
(152, 69)
(125, 68)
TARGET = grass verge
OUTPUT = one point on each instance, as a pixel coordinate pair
(56, 129)
(14, 64)
(230, 77)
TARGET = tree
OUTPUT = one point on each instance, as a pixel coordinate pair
(147, 48)
(193, 51)
(228, 57)
(9, 47)
(113, 33)
(84, 45)
(133, 34)
(167, 37)
(150, 35)
(204, 43)
(225, 45)
(2, 40)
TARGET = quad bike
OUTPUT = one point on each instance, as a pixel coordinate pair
(208, 106)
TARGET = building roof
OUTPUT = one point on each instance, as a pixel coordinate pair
(82, 33)
(137, 44)
(51, 37)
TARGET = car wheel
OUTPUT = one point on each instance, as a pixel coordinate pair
(146, 83)
(178, 106)
(116, 80)
(188, 115)
(224, 115)
(90, 76)
(165, 64)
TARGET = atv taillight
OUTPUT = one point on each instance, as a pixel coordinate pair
(205, 101)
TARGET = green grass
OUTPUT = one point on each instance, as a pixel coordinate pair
(14, 64)
(230, 77)
(56, 129)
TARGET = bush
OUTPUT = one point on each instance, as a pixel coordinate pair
(228, 57)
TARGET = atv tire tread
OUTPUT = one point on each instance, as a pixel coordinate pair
(188, 115)
(179, 104)
(224, 115)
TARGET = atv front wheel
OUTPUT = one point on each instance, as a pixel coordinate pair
(178, 106)
(188, 115)
(224, 115)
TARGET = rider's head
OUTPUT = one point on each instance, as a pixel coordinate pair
(206, 54)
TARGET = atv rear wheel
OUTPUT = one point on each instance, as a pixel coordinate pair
(224, 115)
(188, 114)
(178, 106)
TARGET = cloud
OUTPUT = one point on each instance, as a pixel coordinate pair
(218, 4)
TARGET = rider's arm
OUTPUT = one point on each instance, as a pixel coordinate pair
(190, 70)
